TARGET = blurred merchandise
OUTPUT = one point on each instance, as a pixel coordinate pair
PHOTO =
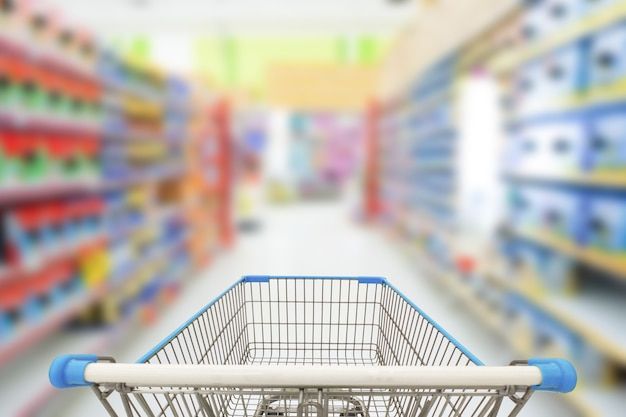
(550, 280)
(324, 150)
(485, 139)
(103, 195)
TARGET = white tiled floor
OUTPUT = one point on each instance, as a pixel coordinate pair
(320, 239)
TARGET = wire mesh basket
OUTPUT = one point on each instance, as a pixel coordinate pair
(311, 346)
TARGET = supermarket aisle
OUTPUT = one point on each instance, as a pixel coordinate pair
(319, 239)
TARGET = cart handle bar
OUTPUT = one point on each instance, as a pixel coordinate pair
(542, 374)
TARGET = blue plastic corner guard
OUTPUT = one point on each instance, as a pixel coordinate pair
(558, 375)
(68, 371)
(255, 278)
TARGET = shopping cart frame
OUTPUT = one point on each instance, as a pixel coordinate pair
(327, 387)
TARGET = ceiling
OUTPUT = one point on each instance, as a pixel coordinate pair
(113, 17)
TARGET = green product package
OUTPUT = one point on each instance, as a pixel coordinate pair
(33, 98)
(34, 166)
(72, 167)
(9, 95)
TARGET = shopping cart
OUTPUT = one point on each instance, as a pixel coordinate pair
(304, 346)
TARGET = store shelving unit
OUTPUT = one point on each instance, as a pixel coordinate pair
(418, 163)
(614, 12)
(546, 284)
(208, 180)
(96, 152)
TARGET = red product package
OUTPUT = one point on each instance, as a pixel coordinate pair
(13, 294)
(90, 146)
(12, 142)
(29, 217)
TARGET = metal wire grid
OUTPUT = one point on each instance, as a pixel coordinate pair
(203, 402)
(309, 321)
(305, 321)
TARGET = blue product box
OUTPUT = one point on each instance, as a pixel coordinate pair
(57, 295)
(562, 211)
(563, 71)
(32, 310)
(25, 242)
(6, 326)
(551, 332)
(555, 270)
(566, 142)
(551, 268)
(607, 60)
(71, 231)
(557, 14)
(529, 83)
(555, 148)
(532, 257)
(588, 7)
(521, 153)
(534, 21)
(606, 224)
(607, 147)
(526, 207)
(49, 239)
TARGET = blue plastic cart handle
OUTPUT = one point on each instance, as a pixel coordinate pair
(68, 371)
(557, 375)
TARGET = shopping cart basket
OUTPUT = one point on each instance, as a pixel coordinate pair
(304, 346)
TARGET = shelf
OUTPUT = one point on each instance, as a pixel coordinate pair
(21, 119)
(608, 402)
(601, 179)
(432, 198)
(152, 218)
(441, 164)
(430, 224)
(24, 45)
(615, 265)
(27, 193)
(436, 99)
(595, 316)
(139, 93)
(28, 335)
(162, 174)
(130, 268)
(32, 369)
(137, 135)
(552, 108)
(14, 272)
(581, 400)
(607, 16)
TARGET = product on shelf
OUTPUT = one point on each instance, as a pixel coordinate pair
(607, 59)
(37, 231)
(607, 148)
(25, 302)
(606, 224)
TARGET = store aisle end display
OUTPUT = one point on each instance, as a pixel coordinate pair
(553, 281)
(104, 194)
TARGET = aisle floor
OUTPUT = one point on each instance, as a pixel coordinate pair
(321, 239)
